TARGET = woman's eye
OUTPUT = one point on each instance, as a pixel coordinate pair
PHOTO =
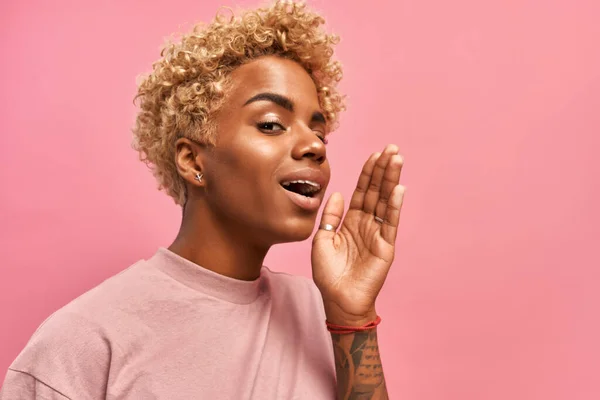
(270, 127)
(321, 136)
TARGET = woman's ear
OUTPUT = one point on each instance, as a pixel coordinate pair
(188, 160)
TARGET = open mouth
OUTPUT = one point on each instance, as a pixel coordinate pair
(302, 187)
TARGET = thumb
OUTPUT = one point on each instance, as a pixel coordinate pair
(332, 215)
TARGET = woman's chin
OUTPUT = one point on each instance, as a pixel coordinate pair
(296, 232)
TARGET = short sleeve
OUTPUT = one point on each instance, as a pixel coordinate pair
(69, 354)
(22, 386)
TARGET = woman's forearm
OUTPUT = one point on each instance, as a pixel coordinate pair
(358, 366)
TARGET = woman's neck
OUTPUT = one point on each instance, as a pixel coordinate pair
(223, 249)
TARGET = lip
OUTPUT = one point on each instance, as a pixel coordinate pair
(306, 203)
(305, 174)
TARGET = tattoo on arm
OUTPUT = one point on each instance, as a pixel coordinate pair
(358, 367)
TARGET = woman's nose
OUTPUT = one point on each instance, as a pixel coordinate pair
(310, 146)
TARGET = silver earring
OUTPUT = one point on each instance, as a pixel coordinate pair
(199, 176)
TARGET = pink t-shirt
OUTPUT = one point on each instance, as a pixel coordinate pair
(166, 328)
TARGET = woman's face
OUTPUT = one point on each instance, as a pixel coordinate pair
(268, 172)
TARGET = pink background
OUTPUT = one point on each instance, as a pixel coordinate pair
(495, 105)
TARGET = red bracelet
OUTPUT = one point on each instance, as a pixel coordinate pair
(341, 329)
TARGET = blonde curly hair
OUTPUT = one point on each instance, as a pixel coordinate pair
(188, 84)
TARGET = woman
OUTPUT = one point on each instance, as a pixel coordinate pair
(233, 121)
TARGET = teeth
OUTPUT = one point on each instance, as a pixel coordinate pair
(313, 184)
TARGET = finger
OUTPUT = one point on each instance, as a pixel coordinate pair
(332, 216)
(374, 190)
(358, 197)
(391, 177)
(389, 228)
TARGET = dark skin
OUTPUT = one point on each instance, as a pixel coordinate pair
(244, 168)
(271, 128)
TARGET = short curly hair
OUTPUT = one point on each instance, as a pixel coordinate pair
(188, 84)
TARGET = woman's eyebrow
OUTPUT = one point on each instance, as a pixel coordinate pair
(278, 99)
(286, 103)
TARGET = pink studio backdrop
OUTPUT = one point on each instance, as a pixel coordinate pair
(495, 105)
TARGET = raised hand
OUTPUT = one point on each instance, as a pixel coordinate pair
(350, 264)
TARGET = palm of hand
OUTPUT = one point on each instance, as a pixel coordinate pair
(350, 265)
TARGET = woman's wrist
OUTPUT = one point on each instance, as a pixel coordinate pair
(336, 315)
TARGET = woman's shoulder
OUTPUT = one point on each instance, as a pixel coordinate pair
(285, 277)
(291, 284)
(80, 338)
(66, 345)
(81, 318)
(111, 296)
(95, 312)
